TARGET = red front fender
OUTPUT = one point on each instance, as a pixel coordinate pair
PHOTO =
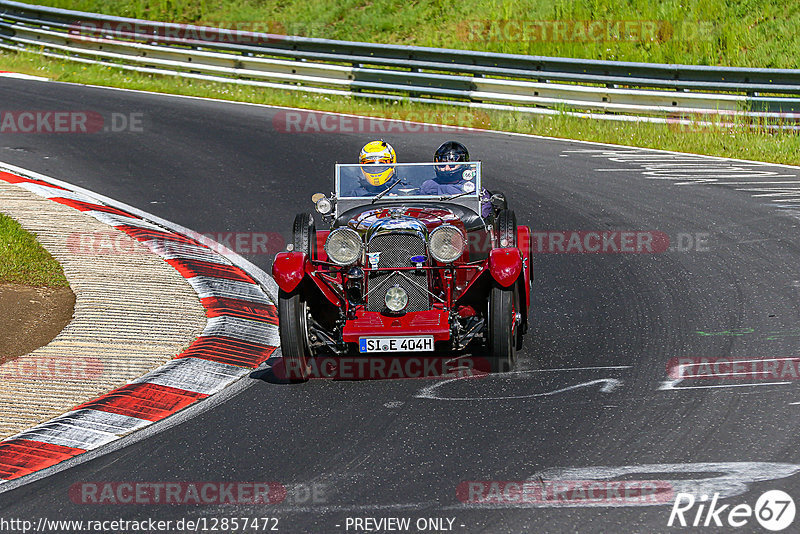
(505, 264)
(288, 269)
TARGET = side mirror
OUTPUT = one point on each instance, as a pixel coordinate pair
(322, 204)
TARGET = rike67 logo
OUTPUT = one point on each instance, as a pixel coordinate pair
(774, 510)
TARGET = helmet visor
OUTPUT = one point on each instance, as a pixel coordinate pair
(448, 166)
(377, 174)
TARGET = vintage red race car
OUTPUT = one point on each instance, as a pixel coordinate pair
(404, 272)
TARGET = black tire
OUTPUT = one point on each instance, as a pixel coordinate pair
(519, 291)
(292, 326)
(304, 234)
(506, 228)
(503, 325)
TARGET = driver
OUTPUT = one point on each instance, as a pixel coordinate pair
(375, 179)
(450, 176)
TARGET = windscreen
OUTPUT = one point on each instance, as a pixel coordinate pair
(413, 180)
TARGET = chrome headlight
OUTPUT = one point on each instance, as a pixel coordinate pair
(446, 243)
(396, 299)
(343, 246)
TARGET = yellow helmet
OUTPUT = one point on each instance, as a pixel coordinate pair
(377, 152)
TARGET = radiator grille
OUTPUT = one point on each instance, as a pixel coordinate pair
(396, 251)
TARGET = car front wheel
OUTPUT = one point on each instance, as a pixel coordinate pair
(503, 325)
(304, 235)
(293, 327)
(506, 228)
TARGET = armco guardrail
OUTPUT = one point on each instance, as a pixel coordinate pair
(455, 77)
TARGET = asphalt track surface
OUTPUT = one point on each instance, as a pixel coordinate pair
(604, 327)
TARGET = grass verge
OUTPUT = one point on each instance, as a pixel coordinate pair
(747, 33)
(24, 261)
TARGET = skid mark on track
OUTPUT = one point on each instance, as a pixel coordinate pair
(610, 486)
(607, 385)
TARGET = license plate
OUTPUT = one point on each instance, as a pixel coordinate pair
(395, 344)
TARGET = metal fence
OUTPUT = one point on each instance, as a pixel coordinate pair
(534, 84)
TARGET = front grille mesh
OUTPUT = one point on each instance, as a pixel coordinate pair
(396, 251)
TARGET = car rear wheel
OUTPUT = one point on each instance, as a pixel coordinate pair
(503, 326)
(293, 328)
(304, 234)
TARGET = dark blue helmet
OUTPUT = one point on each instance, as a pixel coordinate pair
(450, 151)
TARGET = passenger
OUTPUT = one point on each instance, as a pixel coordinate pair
(449, 177)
